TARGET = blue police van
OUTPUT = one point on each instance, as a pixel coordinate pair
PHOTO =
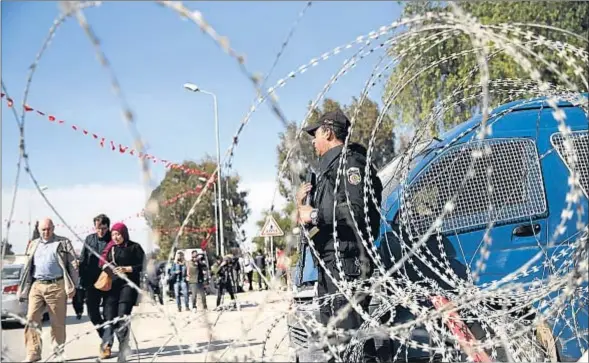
(529, 180)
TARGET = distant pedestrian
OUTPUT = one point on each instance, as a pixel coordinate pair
(260, 260)
(36, 234)
(126, 257)
(179, 276)
(215, 270)
(248, 269)
(154, 281)
(49, 279)
(197, 280)
(237, 273)
(225, 276)
(90, 270)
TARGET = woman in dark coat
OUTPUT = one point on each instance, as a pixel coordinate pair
(127, 258)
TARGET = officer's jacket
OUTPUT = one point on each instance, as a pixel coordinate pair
(352, 181)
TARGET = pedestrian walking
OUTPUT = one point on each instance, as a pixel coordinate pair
(90, 269)
(125, 257)
(49, 279)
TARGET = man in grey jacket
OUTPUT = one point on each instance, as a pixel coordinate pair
(49, 279)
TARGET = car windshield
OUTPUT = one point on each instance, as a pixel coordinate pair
(391, 174)
(11, 273)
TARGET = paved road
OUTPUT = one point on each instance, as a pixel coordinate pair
(184, 336)
(13, 342)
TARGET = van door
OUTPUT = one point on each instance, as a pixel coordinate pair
(572, 322)
(497, 194)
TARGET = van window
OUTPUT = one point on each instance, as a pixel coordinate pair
(391, 174)
(580, 147)
(506, 186)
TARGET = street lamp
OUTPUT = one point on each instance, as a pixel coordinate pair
(216, 221)
(194, 88)
(41, 188)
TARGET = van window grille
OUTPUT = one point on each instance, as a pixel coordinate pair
(580, 147)
(517, 188)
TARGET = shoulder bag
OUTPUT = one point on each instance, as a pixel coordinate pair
(104, 281)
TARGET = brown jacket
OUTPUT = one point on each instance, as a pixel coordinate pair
(66, 257)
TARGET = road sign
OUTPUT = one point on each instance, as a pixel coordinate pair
(271, 228)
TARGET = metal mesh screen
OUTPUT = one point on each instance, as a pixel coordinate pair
(580, 141)
(505, 184)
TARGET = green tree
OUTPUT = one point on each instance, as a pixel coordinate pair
(303, 155)
(177, 193)
(285, 220)
(416, 101)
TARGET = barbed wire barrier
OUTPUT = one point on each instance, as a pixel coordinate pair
(440, 301)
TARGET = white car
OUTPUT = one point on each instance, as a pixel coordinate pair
(11, 275)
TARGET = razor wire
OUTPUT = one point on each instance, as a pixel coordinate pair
(467, 298)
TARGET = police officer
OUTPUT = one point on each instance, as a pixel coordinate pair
(329, 135)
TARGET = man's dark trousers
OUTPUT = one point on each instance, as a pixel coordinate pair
(78, 301)
(94, 299)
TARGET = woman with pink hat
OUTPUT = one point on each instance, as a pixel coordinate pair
(125, 258)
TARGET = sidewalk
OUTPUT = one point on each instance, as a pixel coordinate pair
(236, 335)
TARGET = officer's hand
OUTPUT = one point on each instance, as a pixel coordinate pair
(304, 189)
(305, 214)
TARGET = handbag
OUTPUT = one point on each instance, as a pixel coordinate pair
(104, 281)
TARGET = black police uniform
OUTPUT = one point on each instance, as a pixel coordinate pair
(356, 262)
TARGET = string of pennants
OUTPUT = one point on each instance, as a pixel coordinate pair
(168, 202)
(207, 230)
(19, 222)
(79, 227)
(205, 241)
(124, 150)
(174, 199)
(84, 228)
(114, 146)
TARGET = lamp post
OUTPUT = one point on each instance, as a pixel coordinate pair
(194, 88)
(216, 220)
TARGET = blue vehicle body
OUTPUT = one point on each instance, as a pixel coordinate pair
(526, 130)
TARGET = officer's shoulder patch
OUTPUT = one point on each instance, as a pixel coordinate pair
(354, 176)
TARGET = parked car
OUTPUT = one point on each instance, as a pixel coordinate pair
(530, 178)
(11, 275)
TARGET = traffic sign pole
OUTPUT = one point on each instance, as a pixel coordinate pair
(272, 252)
(270, 230)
